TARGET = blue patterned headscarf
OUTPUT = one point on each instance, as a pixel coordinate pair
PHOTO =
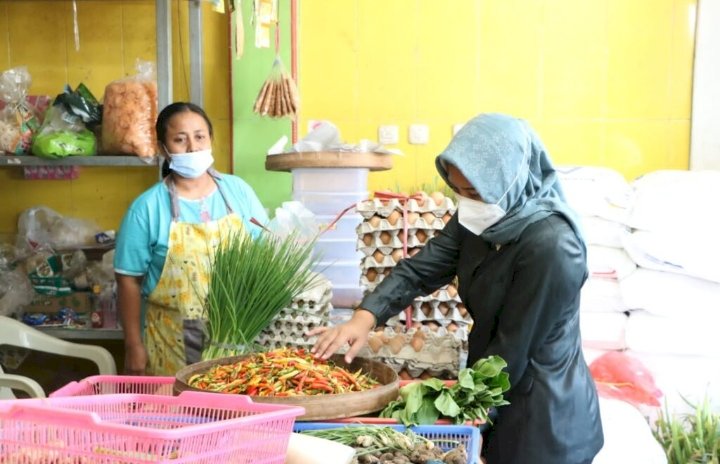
(507, 164)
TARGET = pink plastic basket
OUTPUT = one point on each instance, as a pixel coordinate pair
(195, 427)
(112, 384)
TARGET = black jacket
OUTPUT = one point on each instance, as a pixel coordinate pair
(524, 299)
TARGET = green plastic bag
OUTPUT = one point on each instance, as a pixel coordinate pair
(63, 134)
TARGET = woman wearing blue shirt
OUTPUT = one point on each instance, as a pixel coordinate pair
(166, 240)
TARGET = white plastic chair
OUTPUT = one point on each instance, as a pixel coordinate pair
(15, 333)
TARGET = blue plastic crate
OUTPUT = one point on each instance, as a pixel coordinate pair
(439, 434)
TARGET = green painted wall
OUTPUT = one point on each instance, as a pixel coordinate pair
(252, 134)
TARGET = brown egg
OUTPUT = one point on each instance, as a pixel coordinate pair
(397, 255)
(421, 235)
(378, 256)
(434, 326)
(452, 327)
(396, 343)
(375, 343)
(386, 237)
(413, 251)
(421, 198)
(452, 291)
(417, 343)
(444, 309)
(429, 218)
(462, 311)
(412, 218)
(394, 217)
(426, 309)
(374, 221)
(446, 217)
(371, 274)
(438, 197)
(367, 239)
(405, 375)
(387, 271)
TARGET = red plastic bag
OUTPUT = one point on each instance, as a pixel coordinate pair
(623, 377)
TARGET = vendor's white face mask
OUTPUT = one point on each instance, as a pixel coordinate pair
(193, 164)
(476, 215)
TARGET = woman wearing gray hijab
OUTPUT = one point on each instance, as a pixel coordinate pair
(520, 259)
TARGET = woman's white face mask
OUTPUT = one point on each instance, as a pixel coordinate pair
(193, 164)
(476, 215)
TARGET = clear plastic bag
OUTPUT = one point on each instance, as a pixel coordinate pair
(44, 226)
(129, 114)
(18, 121)
(15, 291)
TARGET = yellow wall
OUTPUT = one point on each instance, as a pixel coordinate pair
(113, 34)
(605, 82)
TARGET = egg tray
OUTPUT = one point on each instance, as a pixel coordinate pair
(318, 293)
(427, 221)
(389, 240)
(433, 311)
(280, 341)
(315, 315)
(440, 353)
(384, 208)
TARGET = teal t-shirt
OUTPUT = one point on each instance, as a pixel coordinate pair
(142, 241)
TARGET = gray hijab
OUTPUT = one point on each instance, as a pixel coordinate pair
(507, 164)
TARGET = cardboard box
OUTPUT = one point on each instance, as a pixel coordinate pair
(80, 302)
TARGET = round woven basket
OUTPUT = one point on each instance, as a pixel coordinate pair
(317, 407)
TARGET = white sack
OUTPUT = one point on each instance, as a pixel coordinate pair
(599, 231)
(603, 331)
(628, 436)
(646, 333)
(601, 295)
(677, 200)
(669, 294)
(691, 377)
(596, 191)
(609, 262)
(682, 253)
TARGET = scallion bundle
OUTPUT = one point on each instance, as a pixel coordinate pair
(251, 281)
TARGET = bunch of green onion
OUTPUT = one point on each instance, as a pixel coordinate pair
(690, 438)
(251, 281)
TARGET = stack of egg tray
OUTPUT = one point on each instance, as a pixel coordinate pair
(380, 239)
(308, 310)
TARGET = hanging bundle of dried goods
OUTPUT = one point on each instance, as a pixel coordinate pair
(278, 96)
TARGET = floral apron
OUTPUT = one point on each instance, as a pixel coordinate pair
(175, 328)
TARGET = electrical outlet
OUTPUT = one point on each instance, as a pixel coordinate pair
(456, 128)
(388, 135)
(419, 134)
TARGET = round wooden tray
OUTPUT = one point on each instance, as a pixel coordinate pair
(328, 159)
(317, 407)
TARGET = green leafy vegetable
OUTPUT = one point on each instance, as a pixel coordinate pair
(478, 388)
(690, 438)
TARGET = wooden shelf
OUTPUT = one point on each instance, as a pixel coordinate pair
(97, 160)
(328, 159)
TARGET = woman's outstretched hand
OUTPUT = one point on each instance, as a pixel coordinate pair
(354, 332)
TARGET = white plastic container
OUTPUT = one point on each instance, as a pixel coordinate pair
(340, 273)
(346, 296)
(329, 203)
(344, 228)
(334, 250)
(330, 180)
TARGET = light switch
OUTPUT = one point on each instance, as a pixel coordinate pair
(388, 135)
(419, 134)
